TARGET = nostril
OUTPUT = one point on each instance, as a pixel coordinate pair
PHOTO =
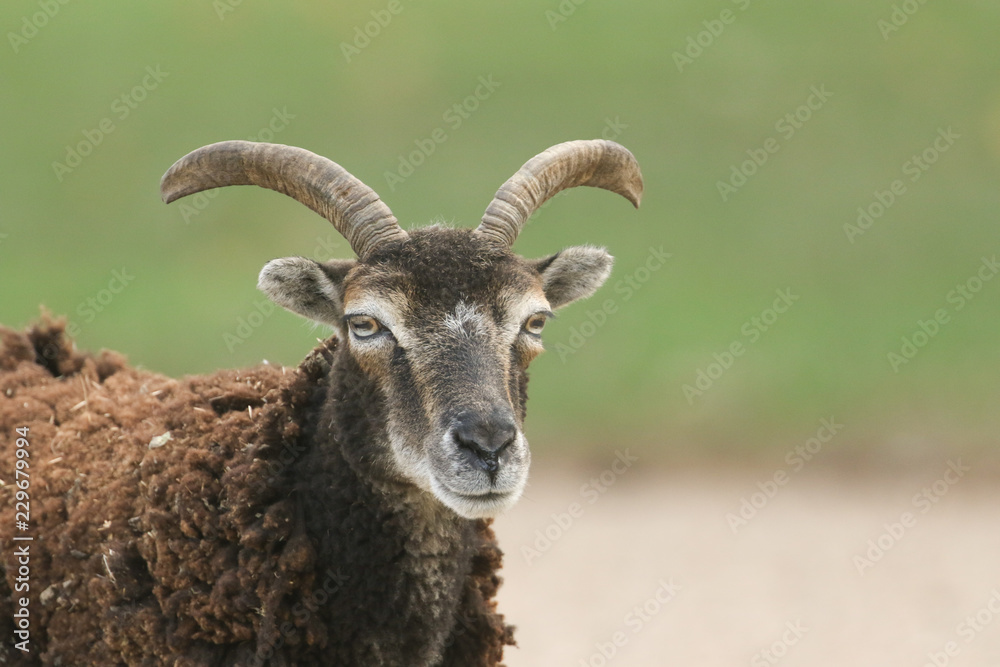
(490, 464)
(478, 432)
(465, 442)
(484, 440)
(503, 431)
(481, 456)
(507, 443)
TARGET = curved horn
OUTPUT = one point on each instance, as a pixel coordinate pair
(597, 163)
(322, 185)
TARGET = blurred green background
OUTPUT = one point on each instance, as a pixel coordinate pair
(689, 87)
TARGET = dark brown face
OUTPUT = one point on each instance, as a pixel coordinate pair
(445, 325)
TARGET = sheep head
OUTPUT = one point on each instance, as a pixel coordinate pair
(443, 321)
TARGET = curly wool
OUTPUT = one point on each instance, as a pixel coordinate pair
(195, 522)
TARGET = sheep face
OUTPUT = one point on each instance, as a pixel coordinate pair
(442, 322)
(445, 325)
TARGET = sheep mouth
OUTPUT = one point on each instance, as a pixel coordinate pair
(489, 496)
(488, 504)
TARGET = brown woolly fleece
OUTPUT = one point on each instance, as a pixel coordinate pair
(209, 546)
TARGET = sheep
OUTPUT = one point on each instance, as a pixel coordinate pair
(337, 513)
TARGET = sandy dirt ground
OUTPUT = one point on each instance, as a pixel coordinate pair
(833, 569)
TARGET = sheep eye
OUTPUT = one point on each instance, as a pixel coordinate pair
(363, 326)
(534, 324)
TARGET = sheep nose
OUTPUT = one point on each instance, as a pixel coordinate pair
(485, 438)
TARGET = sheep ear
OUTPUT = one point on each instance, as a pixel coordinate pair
(574, 273)
(310, 289)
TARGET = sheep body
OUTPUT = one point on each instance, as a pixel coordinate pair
(235, 540)
(336, 513)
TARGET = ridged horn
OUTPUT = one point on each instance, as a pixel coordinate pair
(597, 163)
(321, 184)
